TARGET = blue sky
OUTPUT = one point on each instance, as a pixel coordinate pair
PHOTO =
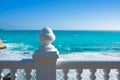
(60, 14)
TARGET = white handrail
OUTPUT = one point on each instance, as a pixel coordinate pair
(74, 64)
(17, 64)
(26, 64)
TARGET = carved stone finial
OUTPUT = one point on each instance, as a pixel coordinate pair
(46, 37)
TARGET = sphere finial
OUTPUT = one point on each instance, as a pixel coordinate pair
(46, 37)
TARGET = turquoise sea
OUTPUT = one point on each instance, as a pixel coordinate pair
(25, 42)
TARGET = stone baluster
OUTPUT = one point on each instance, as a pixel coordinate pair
(46, 56)
(106, 74)
(79, 72)
(92, 76)
(65, 72)
(28, 73)
(118, 75)
(13, 74)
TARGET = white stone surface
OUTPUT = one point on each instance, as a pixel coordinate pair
(46, 37)
(46, 56)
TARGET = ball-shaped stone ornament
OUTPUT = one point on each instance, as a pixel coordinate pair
(46, 36)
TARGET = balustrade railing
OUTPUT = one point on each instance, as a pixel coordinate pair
(13, 66)
(107, 66)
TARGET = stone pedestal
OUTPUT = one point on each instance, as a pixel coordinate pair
(46, 56)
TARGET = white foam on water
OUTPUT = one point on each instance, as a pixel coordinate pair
(91, 56)
(6, 54)
(20, 46)
(15, 51)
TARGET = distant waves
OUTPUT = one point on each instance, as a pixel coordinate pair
(18, 55)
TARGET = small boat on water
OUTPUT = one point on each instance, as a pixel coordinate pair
(2, 45)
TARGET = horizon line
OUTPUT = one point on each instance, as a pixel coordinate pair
(2, 29)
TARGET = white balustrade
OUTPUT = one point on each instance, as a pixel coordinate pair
(91, 65)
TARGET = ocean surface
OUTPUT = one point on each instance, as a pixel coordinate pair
(78, 43)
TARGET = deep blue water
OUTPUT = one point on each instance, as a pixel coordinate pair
(66, 41)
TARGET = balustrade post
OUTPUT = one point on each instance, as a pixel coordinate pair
(92, 76)
(45, 57)
(106, 74)
(118, 75)
(65, 72)
(13, 72)
(79, 72)
(28, 74)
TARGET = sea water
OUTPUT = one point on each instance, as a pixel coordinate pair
(23, 43)
(83, 45)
